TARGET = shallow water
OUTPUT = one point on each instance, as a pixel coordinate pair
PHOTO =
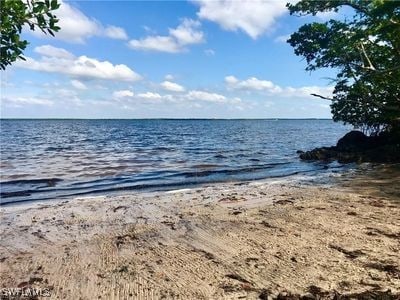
(44, 159)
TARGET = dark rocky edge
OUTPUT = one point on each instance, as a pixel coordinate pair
(355, 146)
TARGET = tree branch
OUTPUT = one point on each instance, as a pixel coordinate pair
(322, 97)
(371, 66)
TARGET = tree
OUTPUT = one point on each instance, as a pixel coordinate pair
(365, 51)
(15, 14)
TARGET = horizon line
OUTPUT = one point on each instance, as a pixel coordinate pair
(1, 119)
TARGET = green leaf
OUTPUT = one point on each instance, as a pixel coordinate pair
(54, 4)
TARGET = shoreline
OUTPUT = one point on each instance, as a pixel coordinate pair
(312, 174)
(221, 241)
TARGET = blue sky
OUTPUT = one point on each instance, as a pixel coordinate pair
(166, 59)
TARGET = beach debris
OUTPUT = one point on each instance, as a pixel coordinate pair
(115, 209)
(377, 203)
(232, 199)
(122, 239)
(283, 202)
(348, 253)
(237, 277)
(206, 254)
(170, 224)
(268, 225)
(376, 231)
(122, 269)
(38, 234)
(390, 269)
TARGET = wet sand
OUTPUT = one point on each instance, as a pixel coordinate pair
(223, 241)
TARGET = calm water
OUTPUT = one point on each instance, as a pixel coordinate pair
(44, 159)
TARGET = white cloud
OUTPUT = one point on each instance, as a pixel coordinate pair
(169, 77)
(76, 27)
(123, 94)
(205, 96)
(210, 97)
(255, 84)
(251, 83)
(254, 17)
(188, 98)
(172, 86)
(150, 96)
(115, 32)
(78, 85)
(231, 80)
(187, 33)
(156, 43)
(306, 91)
(80, 67)
(50, 51)
(21, 101)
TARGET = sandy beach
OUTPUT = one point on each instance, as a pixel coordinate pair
(252, 240)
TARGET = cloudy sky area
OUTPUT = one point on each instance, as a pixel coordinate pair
(197, 59)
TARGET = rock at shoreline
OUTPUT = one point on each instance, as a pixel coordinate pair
(354, 140)
(355, 146)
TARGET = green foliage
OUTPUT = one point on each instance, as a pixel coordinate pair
(365, 51)
(15, 14)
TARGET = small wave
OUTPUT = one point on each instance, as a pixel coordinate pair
(58, 149)
(48, 181)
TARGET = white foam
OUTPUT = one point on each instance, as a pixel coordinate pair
(178, 191)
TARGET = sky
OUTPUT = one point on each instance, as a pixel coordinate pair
(166, 59)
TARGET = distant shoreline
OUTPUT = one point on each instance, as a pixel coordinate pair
(175, 119)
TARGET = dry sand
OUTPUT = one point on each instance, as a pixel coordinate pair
(223, 241)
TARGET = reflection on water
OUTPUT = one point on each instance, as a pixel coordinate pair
(43, 159)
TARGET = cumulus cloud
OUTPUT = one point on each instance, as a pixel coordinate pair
(187, 33)
(189, 98)
(76, 27)
(150, 96)
(251, 83)
(50, 51)
(58, 60)
(115, 32)
(210, 97)
(255, 84)
(156, 43)
(172, 86)
(254, 17)
(205, 96)
(123, 94)
(78, 85)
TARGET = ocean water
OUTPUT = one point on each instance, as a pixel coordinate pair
(47, 159)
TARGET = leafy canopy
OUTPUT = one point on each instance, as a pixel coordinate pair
(365, 51)
(15, 14)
